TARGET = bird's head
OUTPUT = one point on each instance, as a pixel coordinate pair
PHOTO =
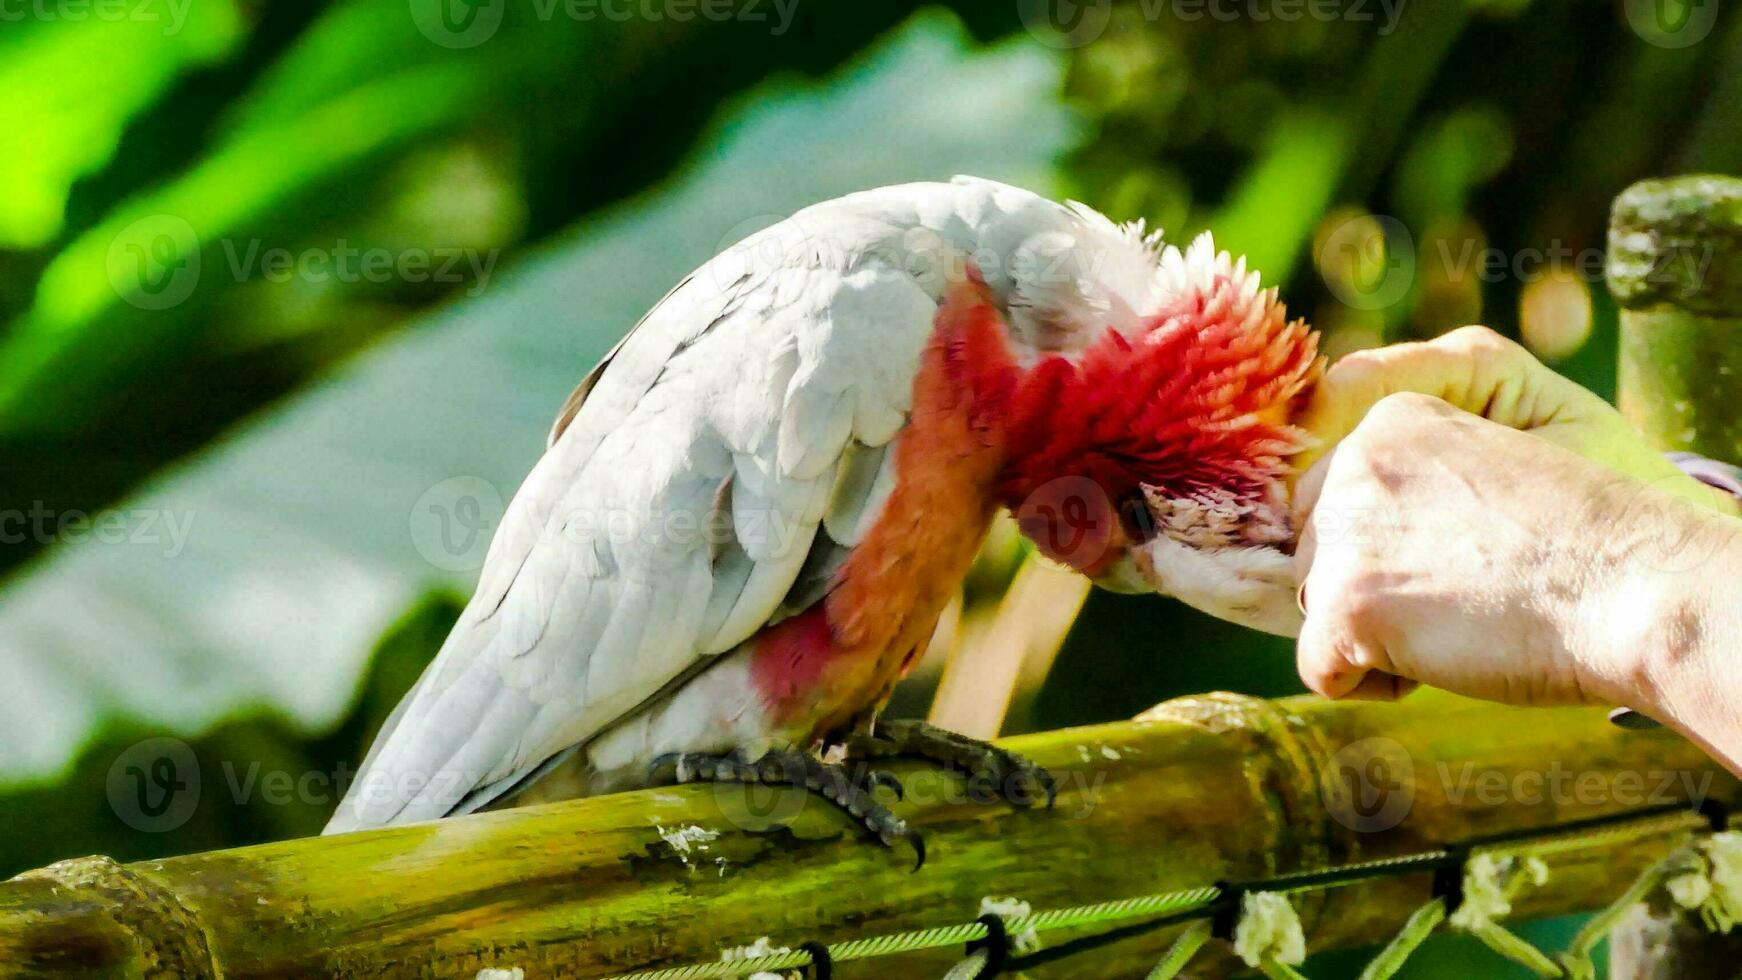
(1157, 455)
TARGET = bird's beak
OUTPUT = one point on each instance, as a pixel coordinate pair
(1251, 586)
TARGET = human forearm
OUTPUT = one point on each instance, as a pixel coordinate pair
(1683, 624)
(1611, 574)
(1495, 564)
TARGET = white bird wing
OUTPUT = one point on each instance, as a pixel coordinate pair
(672, 516)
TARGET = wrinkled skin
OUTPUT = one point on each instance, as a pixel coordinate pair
(1545, 557)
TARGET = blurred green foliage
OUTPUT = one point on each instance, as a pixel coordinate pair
(1366, 165)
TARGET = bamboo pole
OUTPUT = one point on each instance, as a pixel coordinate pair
(1675, 266)
(1000, 648)
(1217, 787)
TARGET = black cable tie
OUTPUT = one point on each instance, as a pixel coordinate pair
(1227, 915)
(1449, 877)
(996, 944)
(1716, 812)
(822, 964)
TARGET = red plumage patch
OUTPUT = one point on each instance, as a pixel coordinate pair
(1198, 401)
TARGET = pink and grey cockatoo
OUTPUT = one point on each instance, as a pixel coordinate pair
(752, 513)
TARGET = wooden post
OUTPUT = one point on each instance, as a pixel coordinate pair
(1210, 788)
(1675, 266)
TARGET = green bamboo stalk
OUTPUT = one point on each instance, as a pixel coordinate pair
(1214, 788)
(1417, 930)
(1675, 267)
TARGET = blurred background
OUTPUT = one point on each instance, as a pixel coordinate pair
(290, 292)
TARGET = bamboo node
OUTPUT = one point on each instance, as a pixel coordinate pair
(1678, 241)
(1285, 771)
(167, 936)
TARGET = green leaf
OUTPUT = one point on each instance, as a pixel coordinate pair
(148, 256)
(100, 73)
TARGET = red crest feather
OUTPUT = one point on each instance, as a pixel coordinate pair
(1196, 403)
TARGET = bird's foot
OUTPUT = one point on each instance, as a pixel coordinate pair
(993, 773)
(851, 789)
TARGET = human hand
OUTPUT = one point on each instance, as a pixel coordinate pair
(1481, 372)
(1444, 549)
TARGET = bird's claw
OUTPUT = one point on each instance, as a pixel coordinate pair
(690, 767)
(851, 790)
(993, 773)
(885, 779)
(1022, 782)
(918, 843)
(656, 769)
